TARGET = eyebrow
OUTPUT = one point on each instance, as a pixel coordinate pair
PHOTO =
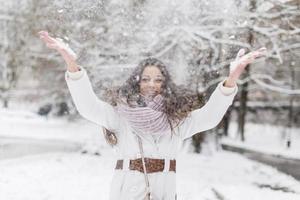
(160, 76)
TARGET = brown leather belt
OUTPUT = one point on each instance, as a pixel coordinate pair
(152, 165)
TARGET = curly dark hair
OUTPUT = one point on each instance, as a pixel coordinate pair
(178, 101)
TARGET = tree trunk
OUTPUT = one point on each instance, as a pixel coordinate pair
(244, 88)
(291, 109)
(226, 121)
(5, 103)
(243, 109)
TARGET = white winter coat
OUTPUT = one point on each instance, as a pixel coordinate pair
(130, 185)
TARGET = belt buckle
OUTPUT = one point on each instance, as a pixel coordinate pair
(126, 164)
(166, 165)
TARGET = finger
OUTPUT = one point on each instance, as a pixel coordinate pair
(260, 53)
(43, 31)
(246, 57)
(52, 46)
(262, 49)
(62, 43)
(59, 39)
(255, 54)
(240, 54)
(49, 39)
(43, 34)
(253, 57)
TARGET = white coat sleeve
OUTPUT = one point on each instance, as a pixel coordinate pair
(88, 104)
(209, 115)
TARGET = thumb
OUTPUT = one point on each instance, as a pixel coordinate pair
(240, 54)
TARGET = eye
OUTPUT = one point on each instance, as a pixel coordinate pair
(158, 80)
(145, 79)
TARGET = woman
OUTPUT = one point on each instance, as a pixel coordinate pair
(148, 122)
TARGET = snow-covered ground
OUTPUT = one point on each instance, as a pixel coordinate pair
(59, 176)
(269, 139)
(28, 125)
(72, 175)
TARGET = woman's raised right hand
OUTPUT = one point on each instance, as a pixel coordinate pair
(63, 48)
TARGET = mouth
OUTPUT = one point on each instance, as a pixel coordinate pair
(149, 93)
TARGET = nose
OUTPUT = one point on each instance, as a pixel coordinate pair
(151, 82)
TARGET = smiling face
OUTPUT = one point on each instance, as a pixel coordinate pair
(151, 81)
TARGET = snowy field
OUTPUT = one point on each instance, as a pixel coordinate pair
(266, 138)
(68, 174)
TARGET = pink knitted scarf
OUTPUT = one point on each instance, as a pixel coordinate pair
(148, 119)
